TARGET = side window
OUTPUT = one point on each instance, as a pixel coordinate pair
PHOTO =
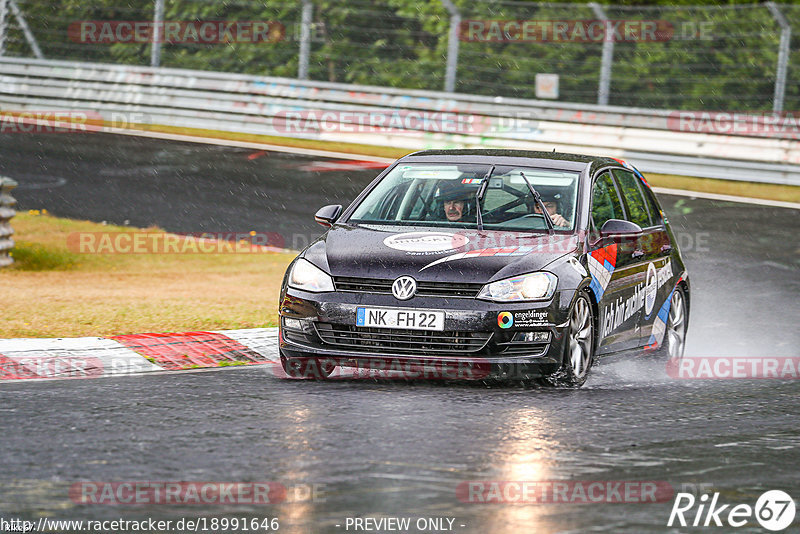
(605, 201)
(652, 205)
(630, 188)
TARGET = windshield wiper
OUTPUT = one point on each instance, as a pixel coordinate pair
(538, 198)
(479, 196)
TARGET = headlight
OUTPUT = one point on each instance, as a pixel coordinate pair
(534, 286)
(308, 277)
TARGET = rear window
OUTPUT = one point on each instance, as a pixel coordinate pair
(605, 201)
(652, 205)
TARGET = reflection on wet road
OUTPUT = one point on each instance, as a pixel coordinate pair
(395, 448)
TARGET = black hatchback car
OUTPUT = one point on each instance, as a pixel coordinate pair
(487, 263)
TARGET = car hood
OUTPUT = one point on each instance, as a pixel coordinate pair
(435, 254)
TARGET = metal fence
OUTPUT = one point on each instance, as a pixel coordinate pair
(7, 204)
(733, 57)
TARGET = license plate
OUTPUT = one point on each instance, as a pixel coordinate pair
(401, 318)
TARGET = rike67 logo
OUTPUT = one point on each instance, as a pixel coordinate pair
(774, 510)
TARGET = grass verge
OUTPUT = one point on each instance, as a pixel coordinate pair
(52, 290)
(786, 193)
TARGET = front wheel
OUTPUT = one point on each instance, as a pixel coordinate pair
(579, 350)
(308, 368)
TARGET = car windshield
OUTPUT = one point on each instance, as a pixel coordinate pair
(445, 195)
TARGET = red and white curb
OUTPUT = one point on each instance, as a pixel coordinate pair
(94, 357)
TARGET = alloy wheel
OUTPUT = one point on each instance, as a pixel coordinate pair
(580, 338)
(676, 326)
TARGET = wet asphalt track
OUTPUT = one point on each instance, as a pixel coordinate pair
(396, 448)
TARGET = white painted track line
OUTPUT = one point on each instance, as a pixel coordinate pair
(250, 144)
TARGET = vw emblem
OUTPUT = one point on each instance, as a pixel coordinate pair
(404, 288)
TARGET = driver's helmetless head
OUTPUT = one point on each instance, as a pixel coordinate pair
(454, 210)
(454, 197)
(552, 207)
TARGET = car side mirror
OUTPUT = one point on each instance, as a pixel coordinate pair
(327, 215)
(618, 227)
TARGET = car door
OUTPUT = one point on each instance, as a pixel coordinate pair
(652, 249)
(613, 269)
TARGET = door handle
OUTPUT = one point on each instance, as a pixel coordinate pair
(637, 254)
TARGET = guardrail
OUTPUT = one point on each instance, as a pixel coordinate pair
(259, 105)
(7, 204)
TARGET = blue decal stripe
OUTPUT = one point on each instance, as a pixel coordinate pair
(597, 288)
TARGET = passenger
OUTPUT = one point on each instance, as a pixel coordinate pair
(552, 204)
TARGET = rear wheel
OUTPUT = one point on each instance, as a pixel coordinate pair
(579, 351)
(674, 341)
(308, 368)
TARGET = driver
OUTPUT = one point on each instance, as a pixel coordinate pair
(553, 205)
(455, 198)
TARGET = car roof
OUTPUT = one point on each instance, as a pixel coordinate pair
(555, 160)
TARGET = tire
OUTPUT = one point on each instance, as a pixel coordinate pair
(307, 368)
(674, 342)
(579, 346)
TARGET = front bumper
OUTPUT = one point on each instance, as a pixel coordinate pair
(472, 345)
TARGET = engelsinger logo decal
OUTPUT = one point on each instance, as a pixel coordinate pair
(505, 320)
(622, 309)
(522, 319)
(426, 242)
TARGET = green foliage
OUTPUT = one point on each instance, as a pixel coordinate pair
(36, 257)
(226, 363)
